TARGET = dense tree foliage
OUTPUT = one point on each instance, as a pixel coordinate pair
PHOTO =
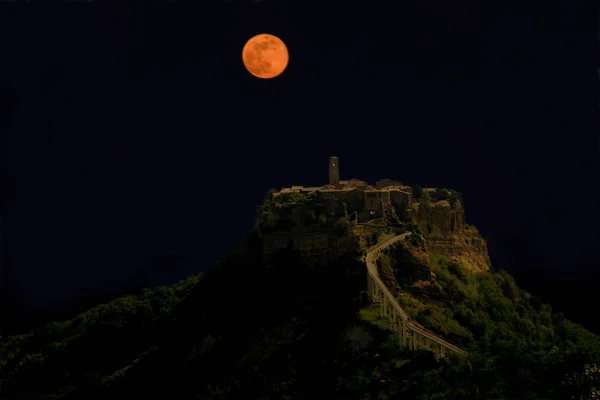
(417, 191)
(392, 218)
(98, 342)
(505, 328)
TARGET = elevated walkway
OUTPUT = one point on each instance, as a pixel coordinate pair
(410, 334)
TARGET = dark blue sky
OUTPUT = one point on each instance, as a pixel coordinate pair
(137, 145)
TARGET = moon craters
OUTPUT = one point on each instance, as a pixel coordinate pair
(265, 56)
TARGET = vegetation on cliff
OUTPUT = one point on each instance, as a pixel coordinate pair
(278, 327)
(505, 329)
(298, 210)
(425, 197)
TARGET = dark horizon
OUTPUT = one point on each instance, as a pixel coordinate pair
(132, 132)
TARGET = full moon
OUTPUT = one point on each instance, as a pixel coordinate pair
(265, 56)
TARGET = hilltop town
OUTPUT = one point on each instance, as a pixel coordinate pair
(285, 219)
(366, 202)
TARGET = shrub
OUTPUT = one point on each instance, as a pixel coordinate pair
(417, 191)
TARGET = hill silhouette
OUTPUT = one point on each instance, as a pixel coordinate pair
(293, 325)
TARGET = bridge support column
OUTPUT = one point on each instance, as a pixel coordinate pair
(386, 306)
(375, 291)
(402, 330)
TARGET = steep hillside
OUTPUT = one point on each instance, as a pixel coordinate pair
(465, 247)
(297, 323)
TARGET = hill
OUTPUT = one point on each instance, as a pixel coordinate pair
(288, 315)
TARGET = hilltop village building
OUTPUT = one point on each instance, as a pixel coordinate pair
(361, 202)
(368, 202)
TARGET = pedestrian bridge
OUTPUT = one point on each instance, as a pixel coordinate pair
(410, 335)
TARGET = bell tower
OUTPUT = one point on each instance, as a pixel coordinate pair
(334, 170)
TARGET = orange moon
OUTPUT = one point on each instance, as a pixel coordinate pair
(265, 56)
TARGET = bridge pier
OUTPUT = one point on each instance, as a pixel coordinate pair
(427, 343)
(402, 332)
(439, 351)
(372, 289)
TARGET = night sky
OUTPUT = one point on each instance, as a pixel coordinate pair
(135, 145)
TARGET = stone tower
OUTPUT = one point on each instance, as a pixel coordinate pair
(334, 170)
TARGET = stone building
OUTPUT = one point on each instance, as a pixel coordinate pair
(355, 199)
(399, 196)
(329, 193)
(334, 171)
(355, 183)
(387, 182)
(368, 202)
(361, 202)
(372, 201)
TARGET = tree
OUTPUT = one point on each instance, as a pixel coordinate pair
(425, 200)
(269, 221)
(442, 194)
(392, 218)
(341, 226)
(297, 198)
(453, 198)
(587, 383)
(417, 191)
(269, 195)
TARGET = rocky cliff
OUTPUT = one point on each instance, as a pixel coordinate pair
(465, 247)
(439, 217)
(448, 235)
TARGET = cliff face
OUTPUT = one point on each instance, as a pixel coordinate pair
(448, 235)
(414, 267)
(440, 217)
(465, 247)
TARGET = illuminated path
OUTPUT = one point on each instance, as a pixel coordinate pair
(410, 335)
